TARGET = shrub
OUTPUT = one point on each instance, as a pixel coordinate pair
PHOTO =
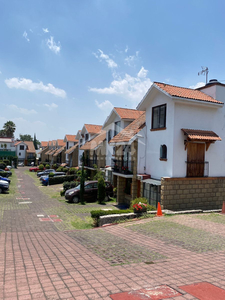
(4, 174)
(96, 214)
(72, 171)
(115, 192)
(60, 179)
(47, 167)
(51, 175)
(41, 167)
(65, 170)
(2, 165)
(54, 166)
(60, 169)
(69, 185)
(101, 190)
(142, 200)
(6, 161)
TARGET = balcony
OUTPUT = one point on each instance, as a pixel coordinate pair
(197, 169)
(123, 167)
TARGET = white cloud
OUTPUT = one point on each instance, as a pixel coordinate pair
(131, 59)
(101, 56)
(51, 106)
(106, 106)
(29, 85)
(21, 110)
(53, 46)
(197, 85)
(129, 87)
(26, 36)
(126, 49)
(45, 30)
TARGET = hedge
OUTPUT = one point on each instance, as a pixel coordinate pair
(4, 174)
(61, 179)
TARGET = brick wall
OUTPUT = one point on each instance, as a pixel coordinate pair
(192, 193)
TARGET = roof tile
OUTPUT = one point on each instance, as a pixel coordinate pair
(95, 142)
(93, 128)
(126, 113)
(188, 93)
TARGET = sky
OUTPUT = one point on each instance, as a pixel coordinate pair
(67, 63)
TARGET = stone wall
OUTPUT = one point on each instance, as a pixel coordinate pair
(192, 193)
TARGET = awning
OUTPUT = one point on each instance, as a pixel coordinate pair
(152, 181)
(201, 135)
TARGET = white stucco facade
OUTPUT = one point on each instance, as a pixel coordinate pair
(186, 114)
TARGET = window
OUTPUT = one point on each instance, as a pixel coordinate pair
(159, 117)
(117, 128)
(19, 154)
(163, 152)
(109, 135)
(67, 145)
(81, 140)
(86, 137)
(21, 147)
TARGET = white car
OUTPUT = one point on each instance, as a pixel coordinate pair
(4, 186)
(9, 167)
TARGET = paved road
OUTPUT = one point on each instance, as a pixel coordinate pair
(39, 261)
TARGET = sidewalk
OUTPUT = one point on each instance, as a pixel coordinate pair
(37, 261)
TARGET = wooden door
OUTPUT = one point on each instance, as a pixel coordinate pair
(195, 159)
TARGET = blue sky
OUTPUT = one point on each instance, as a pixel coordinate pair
(66, 63)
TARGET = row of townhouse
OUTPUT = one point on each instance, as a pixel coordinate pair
(25, 151)
(170, 149)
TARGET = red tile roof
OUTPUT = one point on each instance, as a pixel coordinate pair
(58, 151)
(93, 128)
(127, 133)
(203, 135)
(30, 146)
(188, 93)
(61, 143)
(44, 144)
(95, 142)
(71, 138)
(126, 113)
(71, 150)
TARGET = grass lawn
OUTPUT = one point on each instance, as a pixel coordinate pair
(74, 216)
(12, 187)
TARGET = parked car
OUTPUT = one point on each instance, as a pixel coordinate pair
(45, 178)
(90, 192)
(34, 169)
(5, 179)
(4, 186)
(9, 167)
(21, 164)
(45, 172)
(9, 173)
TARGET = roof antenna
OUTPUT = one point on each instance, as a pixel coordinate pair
(204, 71)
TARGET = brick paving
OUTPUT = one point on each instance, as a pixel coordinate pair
(39, 260)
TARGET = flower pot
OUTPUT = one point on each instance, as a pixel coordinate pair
(142, 210)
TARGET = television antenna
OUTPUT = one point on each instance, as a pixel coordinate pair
(204, 71)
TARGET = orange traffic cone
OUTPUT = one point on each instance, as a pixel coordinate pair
(223, 208)
(159, 211)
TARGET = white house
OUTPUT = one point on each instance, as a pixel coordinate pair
(25, 151)
(70, 141)
(185, 139)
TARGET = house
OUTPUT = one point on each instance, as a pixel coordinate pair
(95, 153)
(59, 154)
(43, 149)
(71, 151)
(86, 134)
(184, 146)
(128, 164)
(7, 148)
(25, 152)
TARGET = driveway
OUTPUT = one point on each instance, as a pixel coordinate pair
(41, 260)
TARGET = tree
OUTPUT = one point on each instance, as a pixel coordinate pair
(26, 137)
(2, 133)
(101, 190)
(9, 127)
(36, 142)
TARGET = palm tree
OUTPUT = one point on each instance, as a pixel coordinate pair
(9, 128)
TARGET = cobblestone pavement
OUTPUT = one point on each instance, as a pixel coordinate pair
(42, 260)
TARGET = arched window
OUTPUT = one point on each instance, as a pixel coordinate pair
(163, 152)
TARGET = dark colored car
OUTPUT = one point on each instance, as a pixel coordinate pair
(90, 192)
(9, 173)
(45, 172)
(45, 178)
(5, 179)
